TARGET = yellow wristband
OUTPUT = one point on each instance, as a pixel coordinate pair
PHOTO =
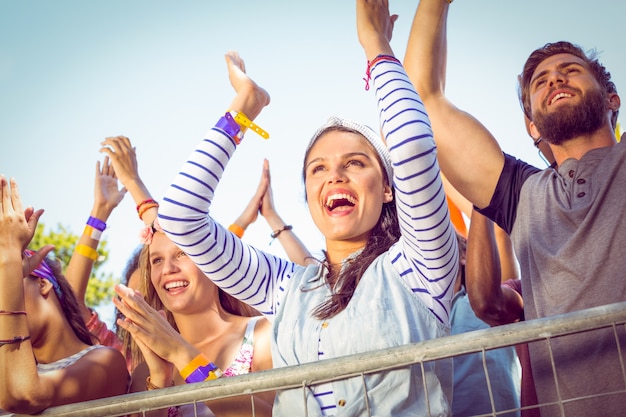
(195, 363)
(87, 252)
(237, 230)
(243, 121)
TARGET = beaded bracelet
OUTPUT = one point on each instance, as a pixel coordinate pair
(237, 230)
(87, 252)
(200, 369)
(16, 339)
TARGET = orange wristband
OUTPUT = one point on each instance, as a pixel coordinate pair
(237, 230)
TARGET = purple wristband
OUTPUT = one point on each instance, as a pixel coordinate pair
(96, 223)
(201, 373)
(229, 125)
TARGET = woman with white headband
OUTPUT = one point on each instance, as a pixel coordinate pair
(391, 251)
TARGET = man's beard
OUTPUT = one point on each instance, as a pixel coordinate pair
(573, 120)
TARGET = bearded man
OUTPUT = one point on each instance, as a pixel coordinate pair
(565, 221)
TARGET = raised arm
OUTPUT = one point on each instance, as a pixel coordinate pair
(493, 303)
(240, 269)
(124, 160)
(18, 371)
(469, 155)
(23, 389)
(263, 202)
(428, 244)
(107, 196)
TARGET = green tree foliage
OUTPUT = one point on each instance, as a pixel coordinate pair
(100, 287)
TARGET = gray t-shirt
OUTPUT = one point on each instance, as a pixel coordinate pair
(568, 231)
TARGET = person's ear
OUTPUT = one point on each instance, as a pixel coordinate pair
(533, 131)
(614, 102)
(45, 287)
(387, 193)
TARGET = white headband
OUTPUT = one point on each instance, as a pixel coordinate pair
(367, 132)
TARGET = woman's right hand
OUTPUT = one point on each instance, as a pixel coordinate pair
(161, 371)
(150, 328)
(123, 158)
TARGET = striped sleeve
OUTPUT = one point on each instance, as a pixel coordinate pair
(426, 256)
(253, 276)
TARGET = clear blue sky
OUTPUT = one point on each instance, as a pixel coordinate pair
(73, 72)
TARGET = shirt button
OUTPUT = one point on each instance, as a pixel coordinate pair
(571, 173)
(341, 403)
(580, 195)
(581, 181)
(324, 325)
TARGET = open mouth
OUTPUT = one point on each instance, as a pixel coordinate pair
(338, 201)
(559, 96)
(175, 285)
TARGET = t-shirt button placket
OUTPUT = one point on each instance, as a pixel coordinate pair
(581, 181)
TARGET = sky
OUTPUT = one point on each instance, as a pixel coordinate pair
(73, 72)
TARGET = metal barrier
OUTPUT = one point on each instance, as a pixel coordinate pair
(305, 375)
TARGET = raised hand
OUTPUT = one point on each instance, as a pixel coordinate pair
(261, 201)
(250, 98)
(375, 27)
(107, 194)
(17, 226)
(124, 161)
(267, 202)
(123, 158)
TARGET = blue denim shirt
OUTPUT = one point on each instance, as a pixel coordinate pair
(383, 313)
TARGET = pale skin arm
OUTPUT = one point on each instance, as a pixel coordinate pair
(468, 154)
(124, 160)
(374, 27)
(263, 202)
(107, 196)
(250, 98)
(99, 373)
(492, 303)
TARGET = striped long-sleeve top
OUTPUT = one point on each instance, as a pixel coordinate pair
(411, 284)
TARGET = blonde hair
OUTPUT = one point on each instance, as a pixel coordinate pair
(227, 302)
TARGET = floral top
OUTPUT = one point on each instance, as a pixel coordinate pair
(243, 362)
